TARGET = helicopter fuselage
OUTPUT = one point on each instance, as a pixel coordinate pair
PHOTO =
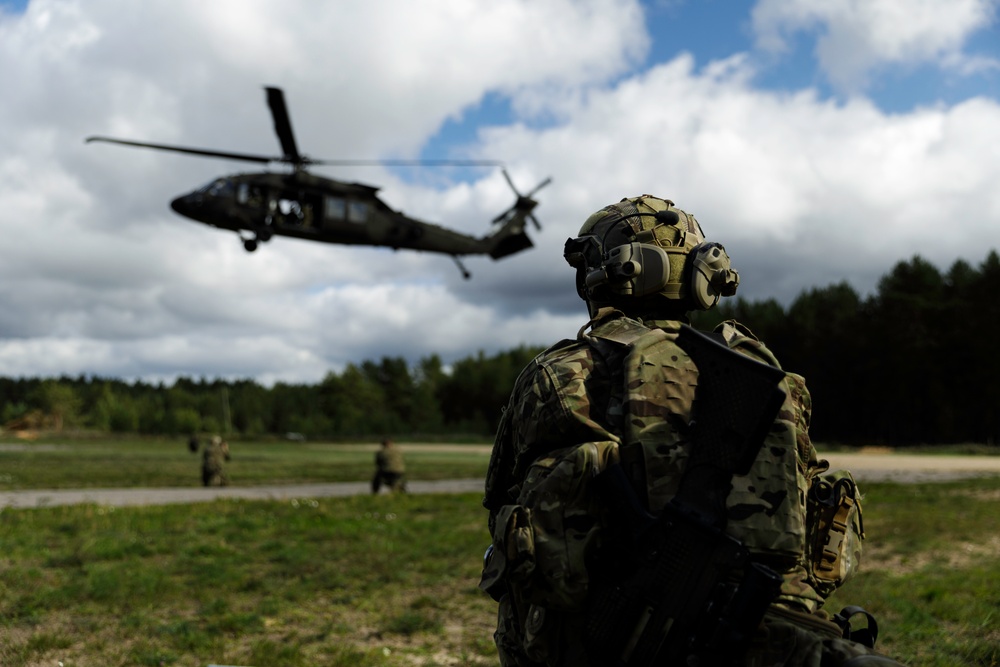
(302, 205)
(305, 206)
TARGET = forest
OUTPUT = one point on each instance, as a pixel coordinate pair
(913, 363)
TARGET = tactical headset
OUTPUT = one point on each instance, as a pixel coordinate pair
(635, 266)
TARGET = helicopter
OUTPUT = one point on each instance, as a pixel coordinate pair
(300, 204)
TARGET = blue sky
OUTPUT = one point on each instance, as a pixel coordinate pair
(821, 141)
(717, 29)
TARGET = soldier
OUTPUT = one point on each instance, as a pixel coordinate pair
(389, 468)
(213, 460)
(621, 396)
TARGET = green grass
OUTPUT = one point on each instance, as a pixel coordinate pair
(366, 580)
(931, 571)
(151, 462)
(387, 580)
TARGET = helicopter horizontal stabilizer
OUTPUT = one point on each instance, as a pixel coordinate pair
(511, 244)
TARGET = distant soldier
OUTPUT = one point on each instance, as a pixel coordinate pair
(213, 460)
(193, 443)
(389, 468)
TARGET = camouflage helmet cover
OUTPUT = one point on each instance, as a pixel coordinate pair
(630, 230)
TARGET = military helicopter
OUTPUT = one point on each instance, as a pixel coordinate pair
(297, 203)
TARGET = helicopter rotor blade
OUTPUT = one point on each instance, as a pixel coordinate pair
(406, 163)
(283, 125)
(509, 182)
(246, 157)
(539, 187)
(534, 221)
(302, 160)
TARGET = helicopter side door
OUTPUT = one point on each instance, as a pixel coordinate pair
(348, 219)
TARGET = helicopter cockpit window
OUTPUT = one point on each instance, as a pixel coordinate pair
(219, 187)
(249, 195)
(336, 208)
(357, 211)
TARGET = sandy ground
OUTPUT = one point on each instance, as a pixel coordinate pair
(870, 467)
(890, 467)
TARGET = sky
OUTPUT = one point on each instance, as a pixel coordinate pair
(820, 141)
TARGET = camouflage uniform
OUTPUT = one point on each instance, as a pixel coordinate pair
(389, 468)
(623, 395)
(213, 460)
(637, 408)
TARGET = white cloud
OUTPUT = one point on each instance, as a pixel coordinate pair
(97, 275)
(844, 190)
(857, 36)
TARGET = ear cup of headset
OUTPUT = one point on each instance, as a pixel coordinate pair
(635, 270)
(710, 275)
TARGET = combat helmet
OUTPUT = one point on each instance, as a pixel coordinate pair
(644, 255)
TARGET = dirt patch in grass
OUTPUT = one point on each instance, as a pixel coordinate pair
(959, 556)
(985, 495)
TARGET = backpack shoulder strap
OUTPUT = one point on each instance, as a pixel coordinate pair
(739, 337)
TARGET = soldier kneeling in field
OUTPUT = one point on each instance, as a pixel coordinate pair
(389, 468)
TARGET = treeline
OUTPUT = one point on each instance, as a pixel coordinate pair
(915, 362)
(387, 397)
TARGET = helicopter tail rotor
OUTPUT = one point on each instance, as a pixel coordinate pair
(524, 205)
(511, 237)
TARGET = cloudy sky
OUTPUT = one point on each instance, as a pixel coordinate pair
(820, 140)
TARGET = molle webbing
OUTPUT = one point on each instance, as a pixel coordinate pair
(829, 567)
(658, 381)
(766, 507)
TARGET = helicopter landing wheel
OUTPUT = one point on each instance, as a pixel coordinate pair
(250, 244)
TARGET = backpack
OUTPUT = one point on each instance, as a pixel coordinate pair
(548, 539)
(805, 525)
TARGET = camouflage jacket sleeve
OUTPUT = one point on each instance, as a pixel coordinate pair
(786, 527)
(556, 402)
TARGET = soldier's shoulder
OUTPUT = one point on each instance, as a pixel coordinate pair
(739, 337)
(562, 351)
(563, 360)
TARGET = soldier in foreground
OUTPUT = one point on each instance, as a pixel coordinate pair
(653, 494)
(389, 468)
(214, 456)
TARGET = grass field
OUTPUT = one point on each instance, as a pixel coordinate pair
(129, 463)
(357, 581)
(391, 580)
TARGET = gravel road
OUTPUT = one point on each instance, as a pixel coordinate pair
(906, 468)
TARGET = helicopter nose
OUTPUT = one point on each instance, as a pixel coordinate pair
(186, 204)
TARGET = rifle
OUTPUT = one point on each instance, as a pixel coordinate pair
(683, 592)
